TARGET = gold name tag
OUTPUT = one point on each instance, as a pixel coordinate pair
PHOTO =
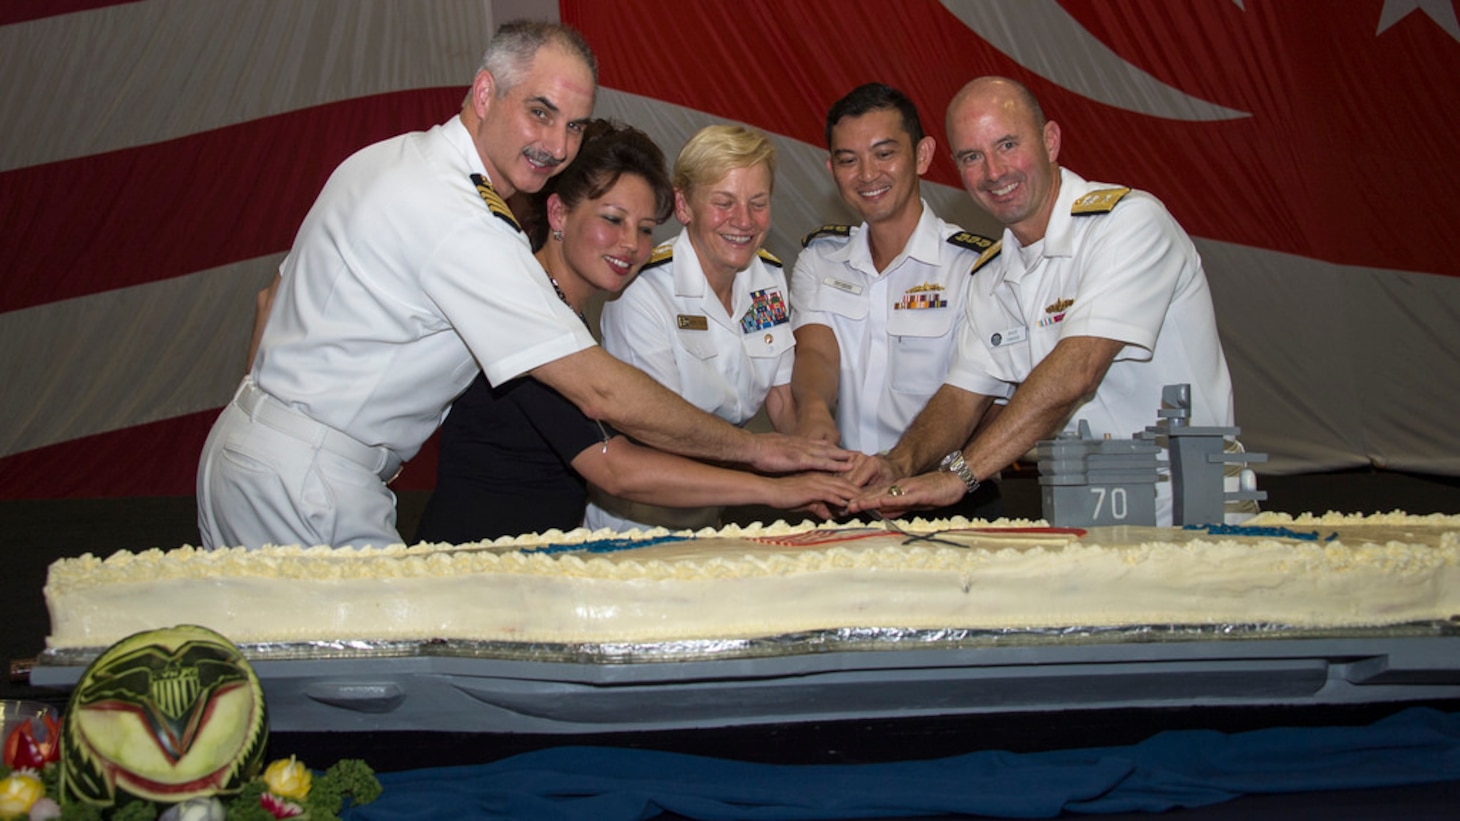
(690, 322)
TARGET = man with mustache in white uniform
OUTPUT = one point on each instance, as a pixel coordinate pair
(409, 275)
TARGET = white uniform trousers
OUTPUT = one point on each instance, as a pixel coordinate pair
(271, 475)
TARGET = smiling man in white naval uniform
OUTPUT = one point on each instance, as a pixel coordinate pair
(876, 307)
(1093, 302)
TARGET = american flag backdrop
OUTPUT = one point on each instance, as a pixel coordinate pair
(158, 156)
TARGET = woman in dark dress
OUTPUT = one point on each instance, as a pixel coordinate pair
(518, 457)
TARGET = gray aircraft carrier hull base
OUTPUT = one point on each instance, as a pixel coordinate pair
(458, 687)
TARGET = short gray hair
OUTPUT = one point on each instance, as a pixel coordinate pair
(512, 48)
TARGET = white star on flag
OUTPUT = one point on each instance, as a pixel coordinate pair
(1441, 11)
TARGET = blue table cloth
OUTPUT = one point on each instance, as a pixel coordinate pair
(1185, 768)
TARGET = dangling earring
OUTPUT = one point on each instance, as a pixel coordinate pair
(558, 234)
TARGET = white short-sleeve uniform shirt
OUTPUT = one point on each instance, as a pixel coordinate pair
(670, 324)
(400, 285)
(403, 280)
(896, 329)
(1120, 269)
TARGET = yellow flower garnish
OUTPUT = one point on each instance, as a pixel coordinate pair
(18, 792)
(288, 779)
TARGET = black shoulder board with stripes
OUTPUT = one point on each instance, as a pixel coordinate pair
(769, 259)
(987, 256)
(826, 231)
(494, 201)
(971, 241)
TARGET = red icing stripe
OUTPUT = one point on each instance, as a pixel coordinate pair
(816, 537)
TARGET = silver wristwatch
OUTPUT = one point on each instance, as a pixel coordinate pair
(953, 463)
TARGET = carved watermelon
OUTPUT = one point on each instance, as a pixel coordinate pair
(164, 715)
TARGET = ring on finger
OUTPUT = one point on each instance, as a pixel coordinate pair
(894, 490)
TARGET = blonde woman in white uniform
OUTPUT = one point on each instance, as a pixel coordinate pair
(709, 316)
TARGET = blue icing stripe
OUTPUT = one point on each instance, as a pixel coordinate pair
(608, 545)
(1245, 530)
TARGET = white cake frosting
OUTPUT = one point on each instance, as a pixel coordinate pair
(764, 581)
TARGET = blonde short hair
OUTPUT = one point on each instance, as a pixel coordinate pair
(716, 150)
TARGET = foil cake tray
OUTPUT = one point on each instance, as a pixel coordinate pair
(845, 639)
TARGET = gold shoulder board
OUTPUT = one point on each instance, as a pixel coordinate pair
(826, 231)
(1098, 202)
(770, 259)
(494, 201)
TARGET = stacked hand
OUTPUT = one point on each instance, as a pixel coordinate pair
(838, 482)
(892, 499)
(779, 453)
(820, 494)
(866, 471)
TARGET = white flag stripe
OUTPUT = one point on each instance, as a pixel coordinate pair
(127, 357)
(1067, 54)
(141, 73)
(805, 197)
(1337, 366)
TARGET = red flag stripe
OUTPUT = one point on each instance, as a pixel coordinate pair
(20, 11)
(156, 459)
(139, 215)
(1321, 185)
